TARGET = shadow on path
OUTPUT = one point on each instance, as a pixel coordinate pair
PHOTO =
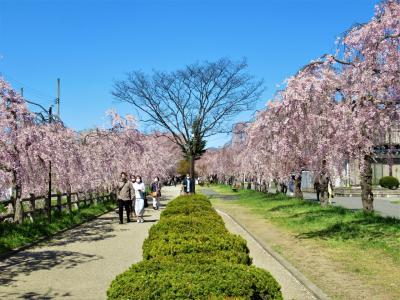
(99, 229)
(27, 262)
(35, 296)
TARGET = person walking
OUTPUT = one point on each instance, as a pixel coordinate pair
(156, 192)
(132, 202)
(291, 185)
(188, 185)
(317, 186)
(330, 191)
(139, 188)
(324, 183)
(125, 192)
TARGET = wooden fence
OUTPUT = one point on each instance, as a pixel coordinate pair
(37, 205)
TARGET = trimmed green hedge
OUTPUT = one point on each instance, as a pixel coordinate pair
(155, 280)
(189, 254)
(190, 224)
(229, 247)
(389, 182)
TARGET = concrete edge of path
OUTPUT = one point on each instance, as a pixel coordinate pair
(12, 252)
(316, 291)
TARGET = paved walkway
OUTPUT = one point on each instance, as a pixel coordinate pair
(79, 264)
(384, 206)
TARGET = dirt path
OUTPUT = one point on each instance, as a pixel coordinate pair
(81, 263)
(291, 287)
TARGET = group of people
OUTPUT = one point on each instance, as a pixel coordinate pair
(132, 196)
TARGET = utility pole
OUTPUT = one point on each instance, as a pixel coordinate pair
(49, 191)
(22, 92)
(58, 98)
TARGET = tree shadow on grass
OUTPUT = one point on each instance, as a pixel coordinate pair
(227, 197)
(289, 205)
(212, 194)
(27, 262)
(320, 214)
(364, 228)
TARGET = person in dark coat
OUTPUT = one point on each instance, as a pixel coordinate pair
(188, 185)
(125, 193)
(155, 189)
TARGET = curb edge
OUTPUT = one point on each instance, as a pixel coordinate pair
(315, 290)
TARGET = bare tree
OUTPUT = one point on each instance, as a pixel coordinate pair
(193, 103)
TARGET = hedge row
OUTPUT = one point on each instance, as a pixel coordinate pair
(389, 182)
(189, 254)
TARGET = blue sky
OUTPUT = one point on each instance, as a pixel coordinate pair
(89, 44)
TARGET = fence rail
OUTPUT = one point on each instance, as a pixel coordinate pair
(37, 205)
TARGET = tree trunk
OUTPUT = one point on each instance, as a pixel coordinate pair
(389, 155)
(192, 171)
(49, 196)
(16, 199)
(367, 197)
(69, 202)
(297, 188)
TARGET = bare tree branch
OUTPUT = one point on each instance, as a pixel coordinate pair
(199, 100)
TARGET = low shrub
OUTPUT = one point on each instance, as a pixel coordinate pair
(168, 280)
(182, 224)
(227, 246)
(217, 256)
(389, 182)
(189, 254)
(196, 205)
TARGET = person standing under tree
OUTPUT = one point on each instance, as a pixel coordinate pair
(132, 202)
(139, 188)
(291, 184)
(125, 192)
(323, 188)
(317, 186)
(188, 185)
(330, 191)
(156, 192)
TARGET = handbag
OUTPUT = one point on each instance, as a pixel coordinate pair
(154, 194)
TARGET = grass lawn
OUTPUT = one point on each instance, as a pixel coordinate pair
(16, 235)
(365, 245)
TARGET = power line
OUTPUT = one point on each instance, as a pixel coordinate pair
(38, 93)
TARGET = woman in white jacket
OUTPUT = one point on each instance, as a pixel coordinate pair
(139, 188)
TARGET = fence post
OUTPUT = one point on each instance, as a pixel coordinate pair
(77, 200)
(69, 201)
(59, 208)
(33, 206)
